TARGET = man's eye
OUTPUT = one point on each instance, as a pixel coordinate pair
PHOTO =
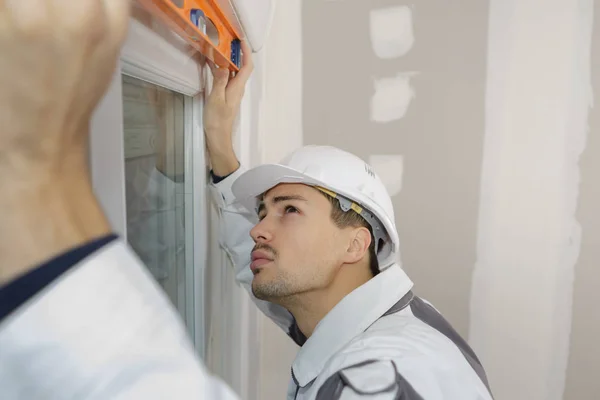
(290, 209)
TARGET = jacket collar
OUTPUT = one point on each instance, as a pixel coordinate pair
(349, 318)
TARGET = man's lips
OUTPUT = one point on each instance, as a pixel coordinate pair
(259, 258)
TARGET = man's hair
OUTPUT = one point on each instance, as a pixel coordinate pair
(344, 219)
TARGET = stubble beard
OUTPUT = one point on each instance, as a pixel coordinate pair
(274, 289)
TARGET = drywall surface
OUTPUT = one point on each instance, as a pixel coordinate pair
(390, 170)
(391, 29)
(401, 84)
(391, 98)
(280, 114)
(584, 357)
(429, 149)
(538, 97)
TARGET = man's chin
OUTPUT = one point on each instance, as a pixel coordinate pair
(260, 295)
(264, 290)
(259, 290)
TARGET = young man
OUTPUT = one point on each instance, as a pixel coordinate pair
(313, 240)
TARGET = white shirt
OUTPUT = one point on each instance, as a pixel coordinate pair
(102, 330)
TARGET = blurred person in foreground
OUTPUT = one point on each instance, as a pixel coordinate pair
(80, 317)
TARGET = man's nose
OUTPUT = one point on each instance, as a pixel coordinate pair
(262, 232)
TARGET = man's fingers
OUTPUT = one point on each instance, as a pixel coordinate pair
(247, 61)
(247, 52)
(238, 83)
(211, 65)
(220, 79)
(247, 64)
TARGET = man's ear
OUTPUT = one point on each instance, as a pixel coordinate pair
(358, 247)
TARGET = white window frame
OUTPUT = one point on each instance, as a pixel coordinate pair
(149, 56)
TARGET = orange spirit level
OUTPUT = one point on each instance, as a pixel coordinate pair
(190, 21)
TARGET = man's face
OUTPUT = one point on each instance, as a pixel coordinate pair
(298, 247)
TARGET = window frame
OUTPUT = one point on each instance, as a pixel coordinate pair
(157, 57)
(152, 57)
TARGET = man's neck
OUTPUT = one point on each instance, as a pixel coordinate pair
(44, 217)
(310, 308)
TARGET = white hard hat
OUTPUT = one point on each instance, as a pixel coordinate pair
(337, 171)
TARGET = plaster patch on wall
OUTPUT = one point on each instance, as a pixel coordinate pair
(529, 239)
(391, 98)
(392, 33)
(389, 168)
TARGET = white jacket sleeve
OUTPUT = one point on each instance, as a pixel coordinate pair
(103, 330)
(234, 237)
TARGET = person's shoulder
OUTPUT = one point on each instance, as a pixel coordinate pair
(399, 337)
(403, 334)
(18, 292)
(402, 352)
(386, 370)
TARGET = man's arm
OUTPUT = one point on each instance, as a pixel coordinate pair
(235, 221)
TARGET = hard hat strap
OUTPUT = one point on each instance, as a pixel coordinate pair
(379, 232)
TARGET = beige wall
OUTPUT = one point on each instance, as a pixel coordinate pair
(538, 95)
(584, 357)
(439, 142)
(439, 138)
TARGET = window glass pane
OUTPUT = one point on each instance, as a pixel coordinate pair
(154, 132)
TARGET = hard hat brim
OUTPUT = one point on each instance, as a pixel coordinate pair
(256, 181)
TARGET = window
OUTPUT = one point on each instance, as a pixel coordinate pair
(149, 172)
(148, 164)
(157, 202)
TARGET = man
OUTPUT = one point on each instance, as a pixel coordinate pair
(313, 240)
(80, 317)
